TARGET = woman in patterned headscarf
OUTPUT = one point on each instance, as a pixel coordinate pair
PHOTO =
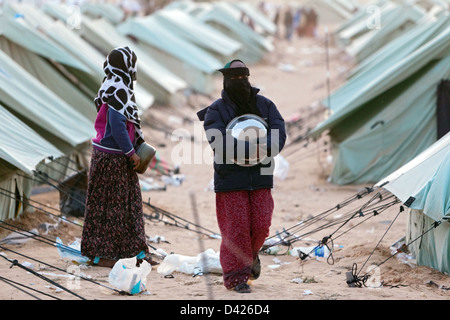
(114, 225)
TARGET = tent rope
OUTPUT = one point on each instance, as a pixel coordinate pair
(353, 278)
(16, 285)
(16, 263)
(19, 198)
(302, 225)
(60, 269)
(160, 213)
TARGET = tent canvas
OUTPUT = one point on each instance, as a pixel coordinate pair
(423, 185)
(382, 96)
(204, 36)
(13, 27)
(164, 85)
(394, 20)
(51, 77)
(154, 78)
(394, 129)
(71, 42)
(262, 24)
(191, 63)
(21, 149)
(226, 18)
(21, 146)
(41, 109)
(431, 24)
(109, 11)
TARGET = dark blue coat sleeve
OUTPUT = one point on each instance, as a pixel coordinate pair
(276, 137)
(119, 131)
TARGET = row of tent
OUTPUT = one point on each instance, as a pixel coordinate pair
(51, 66)
(389, 122)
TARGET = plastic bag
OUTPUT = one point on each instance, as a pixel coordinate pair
(281, 167)
(128, 277)
(71, 252)
(205, 262)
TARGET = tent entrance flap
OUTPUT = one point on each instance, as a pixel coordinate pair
(443, 108)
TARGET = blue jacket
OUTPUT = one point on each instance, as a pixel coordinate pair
(115, 134)
(232, 177)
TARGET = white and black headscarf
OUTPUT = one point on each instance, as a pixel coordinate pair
(117, 88)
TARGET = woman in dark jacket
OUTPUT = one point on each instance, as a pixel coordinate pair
(244, 203)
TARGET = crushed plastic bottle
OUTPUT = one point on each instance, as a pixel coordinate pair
(316, 251)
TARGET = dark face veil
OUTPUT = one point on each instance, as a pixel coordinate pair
(237, 86)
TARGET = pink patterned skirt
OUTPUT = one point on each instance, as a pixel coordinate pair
(244, 219)
(114, 222)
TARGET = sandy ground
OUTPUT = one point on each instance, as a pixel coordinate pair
(294, 77)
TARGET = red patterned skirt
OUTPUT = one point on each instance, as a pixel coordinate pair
(244, 219)
(114, 222)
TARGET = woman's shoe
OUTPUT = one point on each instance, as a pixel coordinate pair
(242, 288)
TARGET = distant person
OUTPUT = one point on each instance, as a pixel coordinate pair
(244, 203)
(114, 223)
(309, 26)
(288, 23)
(276, 21)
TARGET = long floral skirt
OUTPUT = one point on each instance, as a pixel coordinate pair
(244, 219)
(114, 222)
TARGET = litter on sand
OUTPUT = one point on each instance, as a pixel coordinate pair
(127, 276)
(205, 262)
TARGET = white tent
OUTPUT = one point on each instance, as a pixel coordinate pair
(423, 184)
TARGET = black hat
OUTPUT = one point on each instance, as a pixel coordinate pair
(240, 70)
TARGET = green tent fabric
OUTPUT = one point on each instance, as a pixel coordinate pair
(353, 94)
(423, 184)
(394, 20)
(204, 36)
(86, 83)
(166, 86)
(155, 81)
(375, 115)
(109, 11)
(51, 77)
(21, 146)
(191, 63)
(226, 18)
(262, 24)
(41, 109)
(415, 178)
(33, 40)
(396, 127)
(15, 189)
(433, 249)
(428, 27)
(21, 150)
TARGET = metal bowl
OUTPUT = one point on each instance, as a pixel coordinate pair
(146, 152)
(250, 128)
